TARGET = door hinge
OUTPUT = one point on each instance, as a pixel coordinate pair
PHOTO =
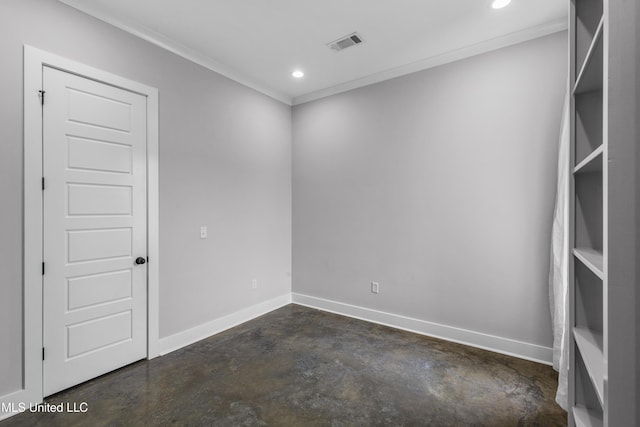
(41, 95)
(43, 182)
(43, 268)
(42, 353)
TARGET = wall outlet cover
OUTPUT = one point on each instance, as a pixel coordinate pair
(375, 287)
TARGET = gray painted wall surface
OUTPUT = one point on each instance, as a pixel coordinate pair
(225, 162)
(439, 185)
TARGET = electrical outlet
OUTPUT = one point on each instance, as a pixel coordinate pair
(254, 284)
(203, 232)
(375, 287)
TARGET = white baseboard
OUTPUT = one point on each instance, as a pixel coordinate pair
(493, 343)
(17, 402)
(200, 332)
(168, 344)
(523, 350)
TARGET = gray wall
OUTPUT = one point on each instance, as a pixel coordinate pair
(439, 185)
(225, 162)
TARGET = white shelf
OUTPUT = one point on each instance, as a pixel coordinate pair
(591, 163)
(590, 345)
(592, 259)
(590, 76)
(585, 418)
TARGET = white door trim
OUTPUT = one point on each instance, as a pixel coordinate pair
(34, 60)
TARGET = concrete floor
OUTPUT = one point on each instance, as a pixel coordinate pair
(301, 367)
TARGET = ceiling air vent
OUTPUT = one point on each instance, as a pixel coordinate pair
(345, 42)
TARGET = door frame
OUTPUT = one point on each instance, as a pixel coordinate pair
(34, 61)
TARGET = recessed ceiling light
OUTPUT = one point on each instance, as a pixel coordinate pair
(499, 4)
(298, 74)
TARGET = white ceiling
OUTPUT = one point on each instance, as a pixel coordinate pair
(260, 42)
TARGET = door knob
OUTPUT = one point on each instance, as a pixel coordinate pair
(140, 260)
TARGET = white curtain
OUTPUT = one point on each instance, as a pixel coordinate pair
(559, 272)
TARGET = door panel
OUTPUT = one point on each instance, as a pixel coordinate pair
(95, 334)
(99, 200)
(99, 110)
(99, 156)
(92, 289)
(95, 296)
(88, 245)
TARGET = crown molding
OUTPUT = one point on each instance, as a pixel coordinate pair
(179, 49)
(192, 55)
(434, 61)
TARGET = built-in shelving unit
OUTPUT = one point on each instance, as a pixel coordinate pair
(588, 150)
(588, 209)
(603, 292)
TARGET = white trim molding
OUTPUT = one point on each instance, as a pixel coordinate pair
(179, 49)
(182, 339)
(35, 59)
(435, 61)
(206, 61)
(153, 224)
(522, 350)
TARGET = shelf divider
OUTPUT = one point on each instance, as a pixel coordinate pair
(590, 163)
(585, 418)
(590, 345)
(592, 259)
(589, 78)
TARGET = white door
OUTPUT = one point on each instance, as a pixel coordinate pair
(95, 295)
